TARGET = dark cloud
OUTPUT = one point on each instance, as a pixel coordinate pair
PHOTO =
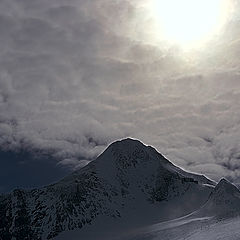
(77, 75)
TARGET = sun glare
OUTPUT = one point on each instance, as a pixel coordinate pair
(189, 22)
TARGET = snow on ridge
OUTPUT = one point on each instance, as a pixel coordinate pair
(127, 175)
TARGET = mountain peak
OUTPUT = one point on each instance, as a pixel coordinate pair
(127, 143)
(132, 150)
(223, 202)
(225, 196)
(224, 181)
(225, 185)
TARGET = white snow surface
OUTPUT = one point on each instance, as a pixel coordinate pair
(205, 228)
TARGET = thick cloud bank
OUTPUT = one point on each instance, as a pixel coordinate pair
(76, 75)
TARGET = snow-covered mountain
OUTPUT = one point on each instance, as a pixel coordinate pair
(218, 218)
(129, 181)
(224, 201)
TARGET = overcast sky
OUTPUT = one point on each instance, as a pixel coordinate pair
(76, 75)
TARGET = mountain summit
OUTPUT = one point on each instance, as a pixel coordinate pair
(224, 201)
(128, 180)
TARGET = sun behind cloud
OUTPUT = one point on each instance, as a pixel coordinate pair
(189, 23)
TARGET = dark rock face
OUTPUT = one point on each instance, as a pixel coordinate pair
(42, 214)
(6, 218)
(126, 173)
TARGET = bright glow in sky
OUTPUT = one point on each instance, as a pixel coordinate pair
(189, 23)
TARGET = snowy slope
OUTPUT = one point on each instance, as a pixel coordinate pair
(223, 202)
(218, 218)
(129, 183)
(184, 229)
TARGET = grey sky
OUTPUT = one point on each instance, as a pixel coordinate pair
(76, 75)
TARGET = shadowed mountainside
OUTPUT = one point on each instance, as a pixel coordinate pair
(128, 179)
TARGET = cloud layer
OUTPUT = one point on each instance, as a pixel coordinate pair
(76, 75)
